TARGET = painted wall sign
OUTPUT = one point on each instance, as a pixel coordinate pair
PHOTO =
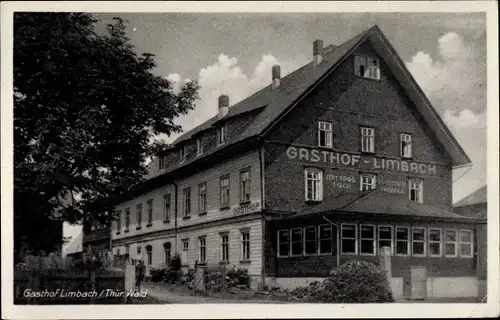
(393, 186)
(341, 181)
(247, 208)
(359, 161)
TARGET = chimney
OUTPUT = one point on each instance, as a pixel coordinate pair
(276, 74)
(317, 51)
(223, 106)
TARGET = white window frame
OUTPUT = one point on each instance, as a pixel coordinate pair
(245, 245)
(245, 185)
(138, 211)
(161, 162)
(406, 145)
(471, 243)
(150, 211)
(369, 70)
(419, 241)
(287, 253)
(373, 240)
(202, 244)
(149, 255)
(118, 221)
(186, 201)
(330, 238)
(182, 154)
(418, 186)
(221, 134)
(362, 183)
(429, 242)
(391, 239)
(355, 238)
(199, 146)
(317, 182)
(165, 250)
(325, 128)
(224, 247)
(185, 251)
(455, 243)
(408, 241)
(296, 241)
(368, 139)
(306, 240)
(202, 197)
(166, 206)
(127, 219)
(225, 199)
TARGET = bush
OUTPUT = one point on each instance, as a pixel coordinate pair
(187, 278)
(352, 282)
(220, 278)
(175, 263)
(157, 275)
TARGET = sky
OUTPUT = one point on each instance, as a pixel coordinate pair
(233, 53)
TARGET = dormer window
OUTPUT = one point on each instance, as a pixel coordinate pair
(199, 147)
(405, 140)
(182, 154)
(221, 134)
(367, 67)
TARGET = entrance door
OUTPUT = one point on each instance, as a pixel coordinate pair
(418, 282)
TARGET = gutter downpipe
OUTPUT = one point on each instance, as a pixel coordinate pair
(262, 177)
(338, 239)
(175, 216)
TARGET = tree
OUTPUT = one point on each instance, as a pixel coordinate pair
(86, 107)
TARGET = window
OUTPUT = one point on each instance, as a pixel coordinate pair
(325, 239)
(367, 67)
(149, 255)
(245, 245)
(367, 139)
(186, 194)
(224, 192)
(402, 241)
(416, 190)
(199, 146)
(127, 249)
(405, 139)
(367, 235)
(325, 134)
(221, 134)
(385, 237)
(138, 250)
(296, 242)
(167, 252)
(465, 238)
(118, 221)
(418, 242)
(224, 247)
(150, 211)
(185, 250)
(434, 242)
(313, 184)
(182, 154)
(118, 251)
(245, 185)
(450, 242)
(127, 219)
(202, 241)
(139, 215)
(202, 197)
(161, 162)
(367, 182)
(310, 240)
(166, 207)
(283, 243)
(348, 241)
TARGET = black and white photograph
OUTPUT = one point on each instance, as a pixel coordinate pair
(210, 157)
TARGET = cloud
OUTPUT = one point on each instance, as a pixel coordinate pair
(226, 76)
(455, 81)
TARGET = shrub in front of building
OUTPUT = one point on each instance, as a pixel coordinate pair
(221, 278)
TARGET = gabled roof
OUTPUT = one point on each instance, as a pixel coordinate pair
(377, 202)
(274, 104)
(478, 196)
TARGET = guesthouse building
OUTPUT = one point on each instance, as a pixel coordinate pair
(332, 162)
